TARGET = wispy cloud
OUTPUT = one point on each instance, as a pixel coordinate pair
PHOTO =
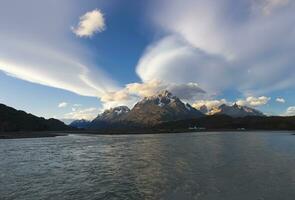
(90, 23)
(41, 52)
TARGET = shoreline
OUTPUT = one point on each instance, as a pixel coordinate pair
(42, 134)
(30, 134)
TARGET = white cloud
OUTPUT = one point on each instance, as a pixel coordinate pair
(280, 100)
(90, 23)
(87, 113)
(254, 101)
(62, 104)
(290, 111)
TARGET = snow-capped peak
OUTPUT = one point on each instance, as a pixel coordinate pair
(120, 110)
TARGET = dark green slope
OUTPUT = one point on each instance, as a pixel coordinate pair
(12, 120)
(219, 122)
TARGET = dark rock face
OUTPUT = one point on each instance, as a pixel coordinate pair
(15, 120)
(113, 114)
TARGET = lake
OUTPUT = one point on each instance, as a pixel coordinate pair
(207, 166)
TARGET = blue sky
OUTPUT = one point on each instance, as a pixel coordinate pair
(73, 59)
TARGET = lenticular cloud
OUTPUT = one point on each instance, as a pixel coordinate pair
(249, 50)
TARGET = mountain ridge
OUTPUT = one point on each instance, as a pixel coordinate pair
(234, 110)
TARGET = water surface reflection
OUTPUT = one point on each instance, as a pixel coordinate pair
(173, 166)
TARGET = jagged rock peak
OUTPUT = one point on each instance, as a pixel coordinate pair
(160, 95)
(117, 110)
(165, 93)
(161, 99)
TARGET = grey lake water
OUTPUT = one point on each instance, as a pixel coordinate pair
(221, 165)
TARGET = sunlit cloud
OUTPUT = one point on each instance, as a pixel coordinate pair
(253, 101)
(90, 23)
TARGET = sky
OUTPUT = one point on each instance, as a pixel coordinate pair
(72, 59)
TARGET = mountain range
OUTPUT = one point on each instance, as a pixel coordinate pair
(162, 112)
(160, 108)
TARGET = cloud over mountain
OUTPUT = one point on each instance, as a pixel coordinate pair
(133, 92)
